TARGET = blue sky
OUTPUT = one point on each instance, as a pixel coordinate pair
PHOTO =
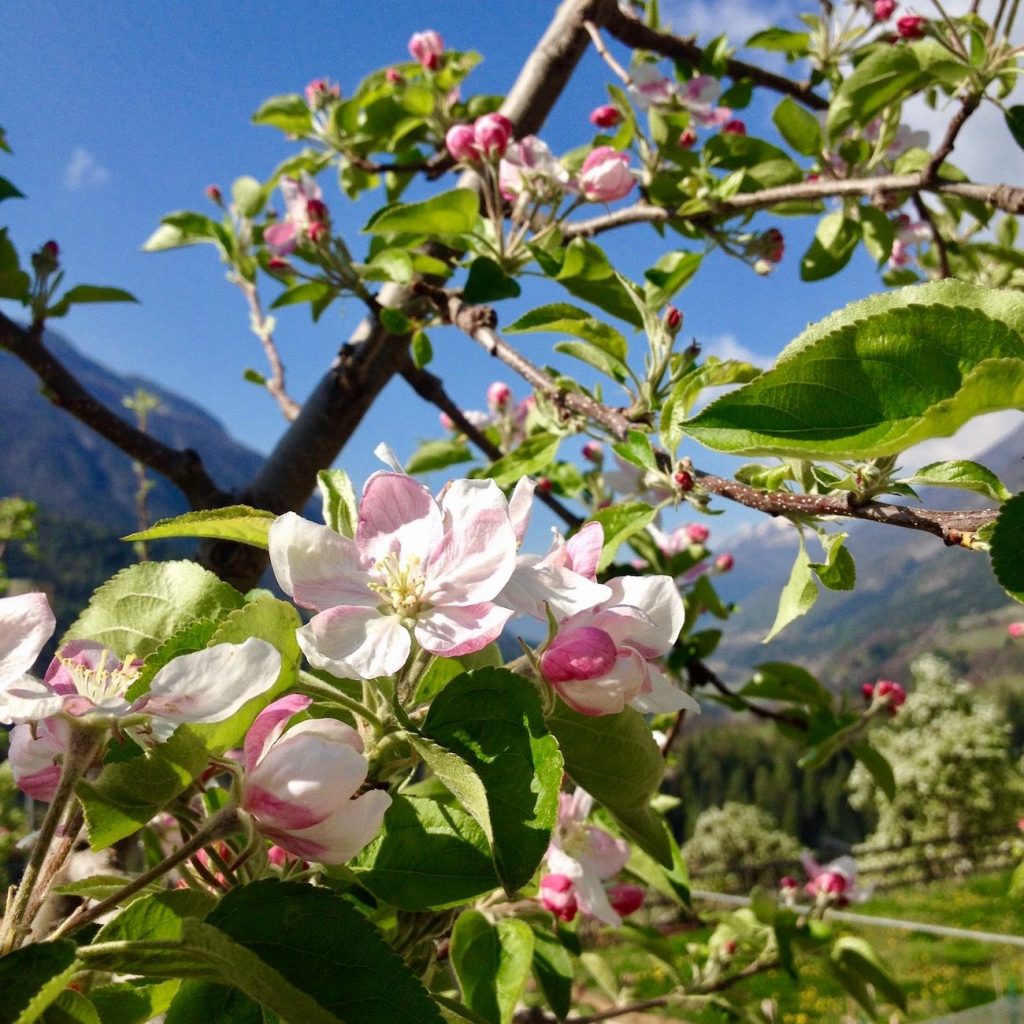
(119, 113)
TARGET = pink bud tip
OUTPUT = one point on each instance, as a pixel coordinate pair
(493, 133)
(684, 480)
(461, 142)
(1016, 630)
(626, 899)
(544, 484)
(213, 193)
(734, 127)
(593, 451)
(447, 423)
(910, 26)
(673, 319)
(427, 47)
(277, 265)
(893, 692)
(606, 116)
(499, 394)
(729, 947)
(687, 138)
(585, 652)
(557, 895)
(724, 563)
(884, 9)
(316, 211)
(394, 76)
(788, 882)
(868, 691)
(697, 533)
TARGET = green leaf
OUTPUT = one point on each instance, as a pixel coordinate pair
(492, 963)
(96, 887)
(235, 522)
(32, 977)
(778, 680)
(838, 571)
(140, 607)
(491, 718)
(615, 759)
(879, 376)
(1007, 547)
(487, 282)
(420, 349)
(289, 112)
(834, 242)
(391, 265)
(183, 228)
(326, 949)
(877, 232)
(888, 74)
(1015, 123)
(636, 449)
(533, 456)
(552, 969)
(8, 190)
(249, 195)
(430, 854)
(126, 794)
(308, 291)
(159, 917)
(83, 293)
(563, 318)
(395, 322)
(434, 455)
(856, 955)
(595, 357)
(215, 1004)
(340, 507)
(71, 1008)
(799, 127)
(672, 271)
(781, 40)
(450, 213)
(962, 474)
(711, 374)
(798, 595)
(620, 522)
(878, 766)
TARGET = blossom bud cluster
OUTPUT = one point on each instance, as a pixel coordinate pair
(306, 219)
(487, 138)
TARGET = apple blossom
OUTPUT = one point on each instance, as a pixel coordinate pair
(557, 895)
(650, 88)
(529, 166)
(493, 133)
(601, 659)
(300, 784)
(460, 141)
(606, 116)
(35, 756)
(835, 883)
(605, 175)
(88, 682)
(416, 568)
(26, 623)
(427, 47)
(283, 237)
(585, 855)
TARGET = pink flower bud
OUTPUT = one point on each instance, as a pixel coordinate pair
(724, 563)
(687, 138)
(910, 26)
(673, 319)
(316, 211)
(319, 92)
(493, 133)
(698, 533)
(544, 484)
(394, 76)
(447, 423)
(52, 249)
(213, 193)
(884, 9)
(606, 116)
(1016, 630)
(892, 692)
(684, 480)
(278, 856)
(605, 175)
(734, 127)
(427, 47)
(775, 244)
(317, 231)
(461, 142)
(557, 895)
(593, 451)
(788, 882)
(625, 899)
(832, 882)
(729, 947)
(499, 394)
(868, 691)
(584, 652)
(276, 265)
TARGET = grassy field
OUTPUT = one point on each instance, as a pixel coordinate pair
(939, 975)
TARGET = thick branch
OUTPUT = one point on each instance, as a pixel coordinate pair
(634, 33)
(183, 468)
(952, 527)
(373, 356)
(1002, 197)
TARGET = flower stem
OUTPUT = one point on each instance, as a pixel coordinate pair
(83, 745)
(313, 687)
(221, 824)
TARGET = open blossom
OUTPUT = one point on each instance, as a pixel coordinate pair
(427, 47)
(416, 567)
(88, 681)
(586, 856)
(650, 88)
(300, 784)
(557, 894)
(529, 166)
(603, 657)
(304, 208)
(834, 883)
(26, 623)
(605, 175)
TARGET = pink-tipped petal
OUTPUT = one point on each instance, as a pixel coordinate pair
(35, 759)
(584, 550)
(355, 643)
(316, 566)
(212, 684)
(454, 631)
(534, 584)
(663, 696)
(29, 700)
(578, 654)
(341, 836)
(520, 505)
(26, 623)
(658, 598)
(473, 561)
(609, 694)
(269, 725)
(397, 515)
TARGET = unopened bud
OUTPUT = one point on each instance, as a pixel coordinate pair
(317, 212)
(213, 193)
(606, 116)
(499, 394)
(276, 265)
(697, 533)
(625, 899)
(884, 9)
(734, 127)
(394, 76)
(593, 451)
(544, 484)
(673, 319)
(683, 480)
(724, 563)
(687, 138)
(729, 947)
(1016, 630)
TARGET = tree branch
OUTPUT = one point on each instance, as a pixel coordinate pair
(700, 674)
(183, 468)
(634, 33)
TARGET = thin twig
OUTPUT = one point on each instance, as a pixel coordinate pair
(260, 325)
(941, 249)
(701, 675)
(968, 105)
(617, 69)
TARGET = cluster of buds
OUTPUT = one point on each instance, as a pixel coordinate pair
(885, 693)
(321, 93)
(907, 233)
(834, 885)
(427, 48)
(769, 248)
(306, 216)
(487, 138)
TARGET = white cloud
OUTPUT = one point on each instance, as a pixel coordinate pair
(728, 346)
(84, 171)
(739, 19)
(970, 441)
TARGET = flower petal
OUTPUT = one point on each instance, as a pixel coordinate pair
(342, 835)
(455, 631)
(269, 725)
(316, 566)
(658, 598)
(578, 654)
(534, 584)
(610, 693)
(26, 623)
(584, 550)
(212, 684)
(28, 700)
(663, 696)
(473, 561)
(355, 643)
(398, 515)
(520, 505)
(35, 759)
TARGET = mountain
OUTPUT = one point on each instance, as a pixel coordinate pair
(913, 594)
